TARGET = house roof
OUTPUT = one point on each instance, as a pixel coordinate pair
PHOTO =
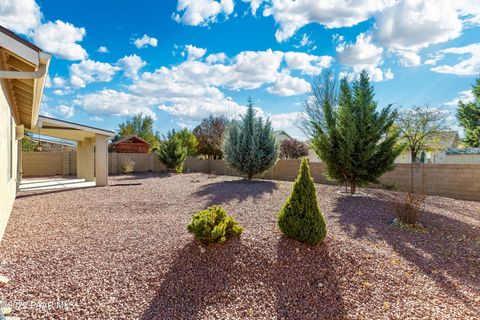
(449, 138)
(131, 139)
(444, 140)
(24, 67)
(66, 130)
(463, 151)
(19, 39)
(276, 133)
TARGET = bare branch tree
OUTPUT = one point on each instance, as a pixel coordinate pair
(422, 129)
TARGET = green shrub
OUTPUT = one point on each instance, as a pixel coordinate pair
(213, 225)
(300, 218)
(171, 152)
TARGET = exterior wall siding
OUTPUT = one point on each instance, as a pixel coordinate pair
(8, 149)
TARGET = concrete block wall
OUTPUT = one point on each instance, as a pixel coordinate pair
(461, 181)
(42, 163)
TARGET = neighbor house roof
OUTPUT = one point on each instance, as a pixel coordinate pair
(131, 139)
(445, 140)
(277, 133)
(450, 139)
(463, 151)
(24, 66)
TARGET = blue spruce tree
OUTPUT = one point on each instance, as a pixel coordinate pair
(249, 145)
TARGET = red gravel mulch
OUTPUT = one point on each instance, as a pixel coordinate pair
(123, 252)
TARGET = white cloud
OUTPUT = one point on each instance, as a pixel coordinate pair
(96, 119)
(194, 52)
(202, 12)
(60, 38)
(198, 108)
(191, 90)
(360, 52)
(469, 11)
(469, 66)
(286, 85)
(111, 102)
(306, 42)
(286, 120)
(145, 41)
(66, 111)
(131, 65)
(376, 74)
(61, 92)
(254, 5)
(88, 71)
(246, 70)
(216, 58)
(363, 54)
(61, 110)
(465, 96)
(59, 82)
(20, 16)
(292, 15)
(411, 25)
(103, 49)
(307, 63)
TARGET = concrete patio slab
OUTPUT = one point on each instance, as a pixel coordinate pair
(47, 183)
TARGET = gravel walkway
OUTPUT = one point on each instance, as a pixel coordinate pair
(123, 252)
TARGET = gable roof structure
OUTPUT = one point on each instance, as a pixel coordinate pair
(132, 138)
(277, 133)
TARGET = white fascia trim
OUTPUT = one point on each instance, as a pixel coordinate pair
(66, 124)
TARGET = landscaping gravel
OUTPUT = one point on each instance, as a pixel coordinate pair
(123, 252)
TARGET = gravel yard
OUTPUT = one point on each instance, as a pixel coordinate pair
(123, 252)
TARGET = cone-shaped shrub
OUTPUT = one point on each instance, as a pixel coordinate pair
(213, 225)
(300, 218)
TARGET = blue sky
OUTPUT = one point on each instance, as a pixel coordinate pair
(180, 61)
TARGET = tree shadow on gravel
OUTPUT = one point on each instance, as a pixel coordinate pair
(239, 190)
(139, 176)
(239, 280)
(194, 281)
(447, 251)
(306, 282)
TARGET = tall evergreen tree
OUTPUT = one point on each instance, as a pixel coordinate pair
(468, 115)
(250, 146)
(356, 142)
(171, 152)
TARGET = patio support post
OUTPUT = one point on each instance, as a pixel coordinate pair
(101, 160)
(86, 160)
(80, 171)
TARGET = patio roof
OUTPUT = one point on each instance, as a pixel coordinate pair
(67, 130)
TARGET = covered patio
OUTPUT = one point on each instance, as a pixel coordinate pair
(51, 183)
(92, 149)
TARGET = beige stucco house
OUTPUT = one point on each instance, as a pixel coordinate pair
(23, 72)
(437, 154)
